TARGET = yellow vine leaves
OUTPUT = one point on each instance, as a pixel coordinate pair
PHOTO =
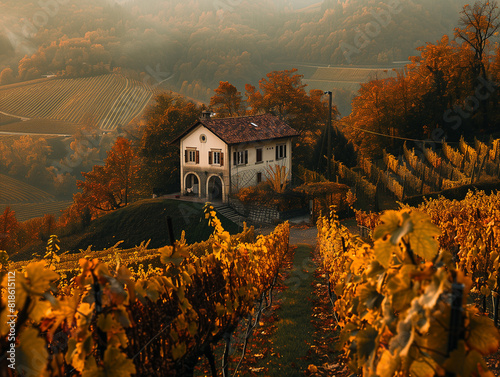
(393, 301)
(116, 364)
(483, 336)
(106, 308)
(31, 353)
(416, 226)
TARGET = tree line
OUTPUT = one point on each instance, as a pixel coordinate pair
(447, 91)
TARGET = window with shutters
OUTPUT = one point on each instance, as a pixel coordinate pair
(258, 155)
(240, 158)
(280, 151)
(191, 155)
(259, 177)
(216, 158)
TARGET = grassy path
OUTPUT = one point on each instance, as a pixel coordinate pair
(298, 331)
(294, 333)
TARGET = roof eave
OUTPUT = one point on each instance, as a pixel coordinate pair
(185, 132)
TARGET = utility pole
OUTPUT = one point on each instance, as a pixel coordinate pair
(329, 138)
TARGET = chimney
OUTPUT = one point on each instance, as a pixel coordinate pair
(205, 115)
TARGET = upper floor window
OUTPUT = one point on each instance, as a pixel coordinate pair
(258, 155)
(280, 151)
(216, 158)
(192, 155)
(240, 158)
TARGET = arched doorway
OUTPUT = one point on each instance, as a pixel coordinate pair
(214, 188)
(192, 184)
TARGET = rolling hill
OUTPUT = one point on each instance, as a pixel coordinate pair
(107, 100)
(28, 201)
(40, 127)
(140, 221)
(15, 191)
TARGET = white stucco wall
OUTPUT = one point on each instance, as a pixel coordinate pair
(234, 177)
(203, 169)
(246, 175)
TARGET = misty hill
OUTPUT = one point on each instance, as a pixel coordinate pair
(190, 46)
(27, 201)
(107, 101)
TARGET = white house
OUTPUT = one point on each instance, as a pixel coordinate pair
(220, 156)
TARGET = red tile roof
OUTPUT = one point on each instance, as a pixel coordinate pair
(246, 129)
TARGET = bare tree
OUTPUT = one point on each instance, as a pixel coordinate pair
(477, 25)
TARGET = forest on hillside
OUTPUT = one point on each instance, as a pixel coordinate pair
(190, 46)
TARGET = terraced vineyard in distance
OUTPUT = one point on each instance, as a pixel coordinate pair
(6, 119)
(26, 211)
(109, 100)
(15, 191)
(28, 201)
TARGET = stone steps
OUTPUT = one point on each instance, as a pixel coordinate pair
(229, 213)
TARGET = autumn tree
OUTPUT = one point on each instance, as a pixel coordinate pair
(8, 229)
(110, 187)
(168, 117)
(24, 156)
(7, 76)
(227, 101)
(78, 215)
(283, 95)
(477, 24)
(430, 99)
(30, 230)
(368, 109)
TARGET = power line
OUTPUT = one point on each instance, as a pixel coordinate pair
(399, 137)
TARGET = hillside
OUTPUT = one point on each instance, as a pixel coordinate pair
(107, 100)
(28, 201)
(40, 127)
(141, 221)
(193, 45)
(15, 191)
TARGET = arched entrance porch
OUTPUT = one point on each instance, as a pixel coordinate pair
(192, 184)
(215, 188)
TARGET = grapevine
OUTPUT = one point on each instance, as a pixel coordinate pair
(115, 324)
(394, 300)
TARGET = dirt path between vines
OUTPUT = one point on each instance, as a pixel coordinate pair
(294, 331)
(298, 338)
(297, 335)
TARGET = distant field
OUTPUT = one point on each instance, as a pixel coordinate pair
(353, 75)
(41, 126)
(6, 119)
(15, 191)
(26, 211)
(109, 100)
(345, 78)
(28, 201)
(329, 85)
(348, 79)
